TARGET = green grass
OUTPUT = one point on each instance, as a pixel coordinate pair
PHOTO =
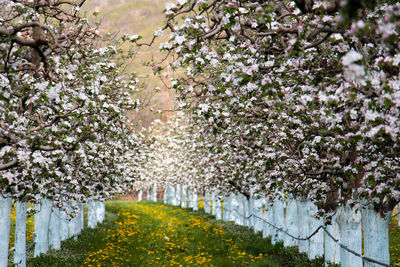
(151, 234)
(394, 240)
(134, 234)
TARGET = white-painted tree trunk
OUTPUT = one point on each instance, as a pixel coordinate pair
(184, 202)
(92, 215)
(98, 211)
(207, 206)
(350, 236)
(195, 200)
(226, 208)
(54, 229)
(234, 207)
(218, 211)
(102, 211)
(154, 193)
(5, 219)
(148, 195)
(246, 211)
(278, 212)
(178, 195)
(291, 222)
(213, 209)
(64, 234)
(72, 222)
(171, 195)
(376, 236)
(140, 195)
(190, 198)
(239, 210)
(316, 244)
(20, 234)
(302, 218)
(42, 221)
(258, 213)
(81, 219)
(332, 249)
(166, 195)
(251, 210)
(268, 218)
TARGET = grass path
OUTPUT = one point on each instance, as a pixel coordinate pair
(151, 234)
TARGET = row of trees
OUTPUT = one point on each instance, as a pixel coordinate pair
(300, 96)
(290, 99)
(63, 131)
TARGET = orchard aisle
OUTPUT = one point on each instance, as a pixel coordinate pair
(151, 234)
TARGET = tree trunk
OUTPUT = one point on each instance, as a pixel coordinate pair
(42, 221)
(316, 244)
(291, 222)
(350, 236)
(5, 219)
(376, 236)
(332, 249)
(302, 216)
(54, 229)
(20, 234)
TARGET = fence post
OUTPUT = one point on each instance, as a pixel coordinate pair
(5, 220)
(332, 249)
(20, 234)
(291, 222)
(350, 236)
(278, 212)
(54, 229)
(184, 197)
(316, 244)
(302, 216)
(42, 220)
(376, 236)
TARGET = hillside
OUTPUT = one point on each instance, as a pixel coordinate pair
(140, 17)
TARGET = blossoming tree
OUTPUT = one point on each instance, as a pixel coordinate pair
(63, 132)
(299, 96)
